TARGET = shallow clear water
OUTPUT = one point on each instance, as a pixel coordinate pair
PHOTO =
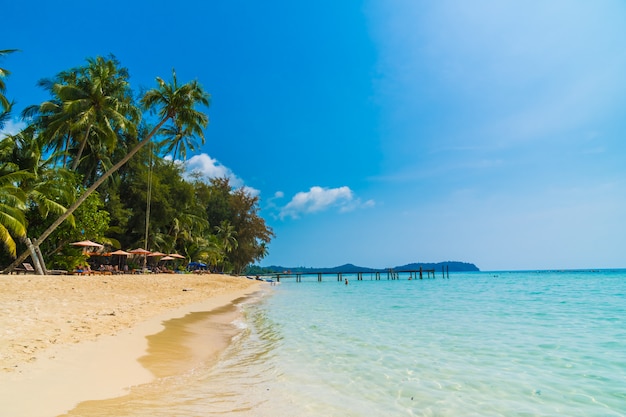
(477, 344)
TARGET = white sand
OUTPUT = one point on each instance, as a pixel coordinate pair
(66, 339)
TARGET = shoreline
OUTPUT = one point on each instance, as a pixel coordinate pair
(66, 340)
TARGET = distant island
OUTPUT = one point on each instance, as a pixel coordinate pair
(452, 266)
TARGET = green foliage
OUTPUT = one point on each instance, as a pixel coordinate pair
(91, 222)
(91, 122)
(242, 233)
(12, 205)
(4, 103)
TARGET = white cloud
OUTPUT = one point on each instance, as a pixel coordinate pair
(211, 168)
(251, 191)
(320, 199)
(11, 128)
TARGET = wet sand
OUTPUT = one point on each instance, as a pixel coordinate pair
(66, 339)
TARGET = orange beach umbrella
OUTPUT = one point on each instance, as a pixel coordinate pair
(139, 251)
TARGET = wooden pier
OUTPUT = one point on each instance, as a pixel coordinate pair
(373, 276)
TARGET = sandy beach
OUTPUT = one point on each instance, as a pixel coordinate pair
(88, 332)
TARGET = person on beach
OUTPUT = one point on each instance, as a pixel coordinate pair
(346, 281)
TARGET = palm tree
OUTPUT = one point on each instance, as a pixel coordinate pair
(185, 226)
(4, 103)
(25, 169)
(171, 102)
(90, 106)
(50, 119)
(227, 235)
(5, 114)
(99, 104)
(215, 254)
(12, 206)
(177, 141)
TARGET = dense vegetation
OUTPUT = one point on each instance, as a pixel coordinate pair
(95, 133)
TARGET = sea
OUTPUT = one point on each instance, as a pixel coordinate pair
(514, 344)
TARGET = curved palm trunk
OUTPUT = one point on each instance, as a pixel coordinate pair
(81, 149)
(86, 194)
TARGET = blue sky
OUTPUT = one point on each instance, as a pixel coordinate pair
(384, 132)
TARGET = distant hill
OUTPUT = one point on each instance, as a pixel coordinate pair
(452, 266)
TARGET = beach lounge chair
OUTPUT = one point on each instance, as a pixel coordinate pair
(83, 271)
(28, 269)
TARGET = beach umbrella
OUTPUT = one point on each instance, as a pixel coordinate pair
(167, 258)
(175, 255)
(192, 266)
(139, 251)
(156, 254)
(120, 253)
(87, 244)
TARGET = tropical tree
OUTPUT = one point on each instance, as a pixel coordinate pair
(239, 209)
(49, 118)
(201, 248)
(23, 168)
(178, 140)
(99, 104)
(171, 102)
(4, 102)
(228, 236)
(91, 222)
(91, 107)
(252, 232)
(5, 114)
(12, 206)
(215, 254)
(46, 188)
(7, 146)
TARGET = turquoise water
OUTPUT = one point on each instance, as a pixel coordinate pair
(477, 344)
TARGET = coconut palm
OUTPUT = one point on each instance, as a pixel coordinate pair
(99, 105)
(90, 107)
(177, 141)
(5, 114)
(215, 254)
(96, 105)
(7, 144)
(41, 188)
(228, 236)
(27, 151)
(182, 228)
(50, 119)
(172, 103)
(4, 103)
(12, 206)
